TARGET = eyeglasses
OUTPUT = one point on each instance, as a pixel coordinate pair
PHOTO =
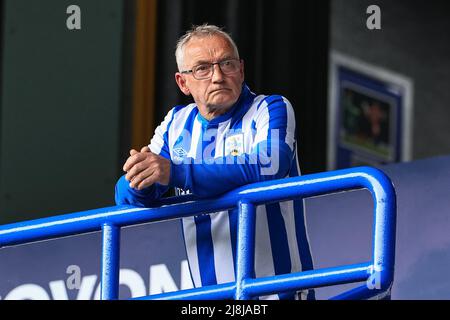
(206, 70)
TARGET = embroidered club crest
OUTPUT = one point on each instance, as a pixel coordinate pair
(234, 144)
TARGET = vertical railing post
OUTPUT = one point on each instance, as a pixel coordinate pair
(110, 262)
(245, 248)
(385, 218)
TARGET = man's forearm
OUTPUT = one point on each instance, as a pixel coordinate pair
(124, 194)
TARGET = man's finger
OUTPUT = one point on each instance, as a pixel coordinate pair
(135, 170)
(145, 149)
(138, 178)
(132, 160)
(147, 182)
(126, 164)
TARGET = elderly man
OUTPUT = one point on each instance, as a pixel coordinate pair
(227, 138)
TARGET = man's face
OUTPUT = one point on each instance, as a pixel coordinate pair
(216, 95)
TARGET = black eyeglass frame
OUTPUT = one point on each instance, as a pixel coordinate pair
(211, 68)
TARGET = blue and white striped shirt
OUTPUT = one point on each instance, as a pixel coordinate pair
(253, 141)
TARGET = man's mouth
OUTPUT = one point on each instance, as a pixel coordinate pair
(217, 90)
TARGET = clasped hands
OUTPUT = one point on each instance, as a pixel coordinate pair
(145, 168)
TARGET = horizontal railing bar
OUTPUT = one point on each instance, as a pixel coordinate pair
(64, 225)
(307, 279)
(257, 193)
(281, 283)
(216, 292)
(361, 293)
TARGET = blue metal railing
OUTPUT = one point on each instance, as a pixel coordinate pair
(378, 273)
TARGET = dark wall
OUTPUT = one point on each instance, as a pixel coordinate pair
(60, 105)
(66, 95)
(413, 41)
(285, 48)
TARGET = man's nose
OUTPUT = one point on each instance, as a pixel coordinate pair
(217, 73)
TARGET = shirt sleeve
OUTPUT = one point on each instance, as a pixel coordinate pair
(271, 155)
(124, 194)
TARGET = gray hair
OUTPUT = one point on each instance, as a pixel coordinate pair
(204, 30)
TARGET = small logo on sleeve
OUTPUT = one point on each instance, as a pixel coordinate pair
(180, 152)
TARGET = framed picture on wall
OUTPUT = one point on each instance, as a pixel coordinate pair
(370, 112)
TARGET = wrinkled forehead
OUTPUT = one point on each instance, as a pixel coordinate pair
(207, 49)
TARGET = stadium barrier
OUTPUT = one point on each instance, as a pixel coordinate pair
(378, 274)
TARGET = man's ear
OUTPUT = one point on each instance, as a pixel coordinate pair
(181, 82)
